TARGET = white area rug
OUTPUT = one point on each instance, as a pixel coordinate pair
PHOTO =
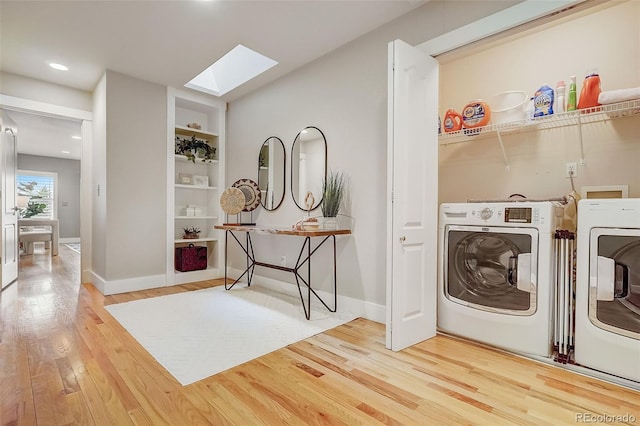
(201, 333)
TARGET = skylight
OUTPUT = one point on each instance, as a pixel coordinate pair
(238, 66)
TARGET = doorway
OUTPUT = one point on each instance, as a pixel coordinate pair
(54, 118)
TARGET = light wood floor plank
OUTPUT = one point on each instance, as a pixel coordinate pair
(65, 360)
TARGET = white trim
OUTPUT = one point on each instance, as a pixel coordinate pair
(69, 240)
(506, 19)
(128, 284)
(28, 105)
(361, 308)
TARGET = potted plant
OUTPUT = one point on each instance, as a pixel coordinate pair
(195, 148)
(191, 233)
(333, 188)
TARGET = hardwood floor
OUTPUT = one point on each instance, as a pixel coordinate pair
(64, 360)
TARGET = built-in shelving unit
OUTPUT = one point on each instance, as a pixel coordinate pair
(193, 186)
(571, 118)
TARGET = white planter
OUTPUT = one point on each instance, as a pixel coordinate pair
(328, 222)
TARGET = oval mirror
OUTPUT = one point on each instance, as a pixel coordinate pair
(271, 164)
(308, 167)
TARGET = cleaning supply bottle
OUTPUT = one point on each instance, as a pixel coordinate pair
(571, 99)
(452, 121)
(590, 91)
(560, 105)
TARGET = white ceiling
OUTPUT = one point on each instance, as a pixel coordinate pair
(168, 42)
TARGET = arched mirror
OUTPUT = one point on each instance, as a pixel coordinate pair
(271, 164)
(308, 166)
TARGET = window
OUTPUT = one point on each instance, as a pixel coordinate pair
(41, 190)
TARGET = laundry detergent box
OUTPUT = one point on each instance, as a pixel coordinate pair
(543, 101)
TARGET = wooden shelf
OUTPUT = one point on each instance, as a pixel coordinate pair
(195, 240)
(206, 188)
(196, 217)
(184, 159)
(200, 134)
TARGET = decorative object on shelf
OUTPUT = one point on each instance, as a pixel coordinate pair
(200, 180)
(195, 148)
(251, 193)
(232, 202)
(191, 258)
(333, 188)
(191, 233)
(193, 211)
(311, 224)
(185, 179)
(194, 126)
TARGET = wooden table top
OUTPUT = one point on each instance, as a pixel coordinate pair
(283, 231)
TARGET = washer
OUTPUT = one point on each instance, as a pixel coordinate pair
(607, 336)
(496, 273)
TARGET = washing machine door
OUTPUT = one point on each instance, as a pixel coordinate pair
(614, 280)
(492, 269)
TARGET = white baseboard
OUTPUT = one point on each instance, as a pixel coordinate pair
(128, 284)
(69, 240)
(361, 308)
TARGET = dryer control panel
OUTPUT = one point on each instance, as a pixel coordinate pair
(519, 214)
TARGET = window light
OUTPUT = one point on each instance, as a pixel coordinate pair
(235, 68)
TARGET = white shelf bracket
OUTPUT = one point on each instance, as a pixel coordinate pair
(504, 152)
(581, 143)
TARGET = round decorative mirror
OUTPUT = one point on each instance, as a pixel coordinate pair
(308, 166)
(271, 180)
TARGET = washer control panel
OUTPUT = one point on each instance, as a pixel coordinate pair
(520, 214)
(501, 215)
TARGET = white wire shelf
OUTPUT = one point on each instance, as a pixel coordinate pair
(564, 119)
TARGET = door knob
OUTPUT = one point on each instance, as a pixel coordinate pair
(402, 239)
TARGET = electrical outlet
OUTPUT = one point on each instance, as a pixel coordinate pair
(283, 261)
(571, 169)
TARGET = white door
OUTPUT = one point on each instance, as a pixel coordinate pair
(9, 221)
(412, 186)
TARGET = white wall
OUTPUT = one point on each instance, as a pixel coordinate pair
(345, 95)
(606, 38)
(37, 90)
(136, 173)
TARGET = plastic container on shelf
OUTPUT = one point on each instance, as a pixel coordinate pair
(560, 102)
(572, 99)
(508, 106)
(476, 114)
(452, 121)
(589, 92)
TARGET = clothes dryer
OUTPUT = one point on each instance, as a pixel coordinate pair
(496, 273)
(607, 335)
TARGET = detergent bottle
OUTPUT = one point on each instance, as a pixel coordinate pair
(571, 99)
(590, 91)
(452, 121)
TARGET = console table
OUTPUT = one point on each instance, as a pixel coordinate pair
(304, 258)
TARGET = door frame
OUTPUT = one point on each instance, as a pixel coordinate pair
(516, 16)
(12, 103)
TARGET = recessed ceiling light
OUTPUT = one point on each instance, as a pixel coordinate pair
(236, 67)
(76, 137)
(58, 67)
(66, 152)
